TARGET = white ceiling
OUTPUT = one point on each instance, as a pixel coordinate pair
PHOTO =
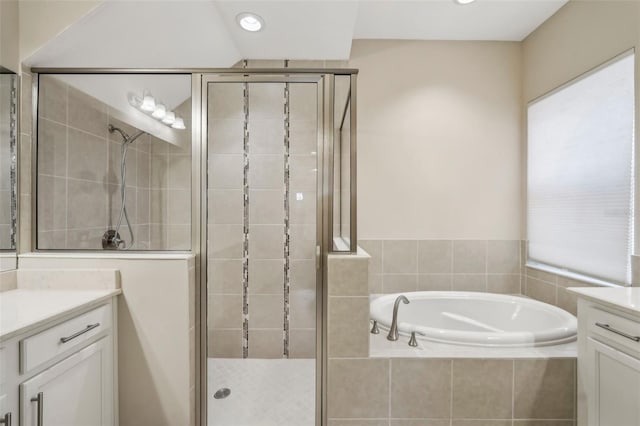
(204, 34)
(509, 20)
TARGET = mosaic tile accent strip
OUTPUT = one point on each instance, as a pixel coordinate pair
(287, 233)
(245, 243)
(13, 142)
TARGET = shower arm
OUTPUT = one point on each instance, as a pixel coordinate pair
(113, 240)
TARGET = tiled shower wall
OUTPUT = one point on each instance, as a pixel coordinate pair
(261, 255)
(170, 197)
(79, 177)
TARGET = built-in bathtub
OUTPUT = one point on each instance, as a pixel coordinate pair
(477, 319)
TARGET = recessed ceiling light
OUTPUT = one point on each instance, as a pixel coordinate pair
(250, 22)
(463, 2)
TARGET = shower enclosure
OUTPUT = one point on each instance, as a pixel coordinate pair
(276, 144)
(256, 176)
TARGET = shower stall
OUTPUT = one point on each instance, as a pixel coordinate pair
(257, 178)
(277, 165)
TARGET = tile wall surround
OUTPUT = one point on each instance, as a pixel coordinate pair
(495, 266)
(462, 265)
(367, 391)
(470, 392)
(552, 289)
(79, 177)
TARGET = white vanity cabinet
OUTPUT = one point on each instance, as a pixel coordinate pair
(74, 391)
(62, 372)
(608, 365)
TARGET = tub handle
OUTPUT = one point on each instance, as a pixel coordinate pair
(413, 342)
(618, 332)
(375, 329)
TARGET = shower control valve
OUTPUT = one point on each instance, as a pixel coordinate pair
(111, 240)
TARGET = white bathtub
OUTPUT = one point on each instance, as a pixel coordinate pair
(477, 319)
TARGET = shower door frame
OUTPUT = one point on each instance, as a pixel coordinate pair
(325, 114)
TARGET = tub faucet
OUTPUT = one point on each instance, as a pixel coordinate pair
(393, 331)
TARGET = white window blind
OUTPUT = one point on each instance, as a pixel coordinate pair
(580, 174)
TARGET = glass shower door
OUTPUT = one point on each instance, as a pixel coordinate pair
(262, 234)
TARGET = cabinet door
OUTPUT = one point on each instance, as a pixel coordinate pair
(7, 412)
(614, 396)
(75, 392)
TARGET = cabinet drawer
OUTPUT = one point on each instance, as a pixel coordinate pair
(623, 331)
(48, 344)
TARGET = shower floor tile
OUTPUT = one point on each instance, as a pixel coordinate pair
(264, 392)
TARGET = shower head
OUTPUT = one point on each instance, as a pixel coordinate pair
(125, 137)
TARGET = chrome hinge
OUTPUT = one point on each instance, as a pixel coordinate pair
(317, 257)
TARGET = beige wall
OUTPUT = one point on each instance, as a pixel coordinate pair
(155, 333)
(580, 36)
(438, 139)
(42, 20)
(9, 35)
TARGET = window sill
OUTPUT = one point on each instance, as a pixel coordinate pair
(572, 275)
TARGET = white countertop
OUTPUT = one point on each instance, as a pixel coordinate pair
(625, 298)
(24, 309)
(380, 347)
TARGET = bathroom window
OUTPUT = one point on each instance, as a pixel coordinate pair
(114, 162)
(581, 175)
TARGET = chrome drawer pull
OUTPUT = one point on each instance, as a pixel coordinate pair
(618, 332)
(6, 420)
(79, 333)
(40, 400)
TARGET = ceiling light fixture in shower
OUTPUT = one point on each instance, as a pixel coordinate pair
(463, 2)
(250, 22)
(148, 103)
(157, 110)
(178, 124)
(169, 118)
